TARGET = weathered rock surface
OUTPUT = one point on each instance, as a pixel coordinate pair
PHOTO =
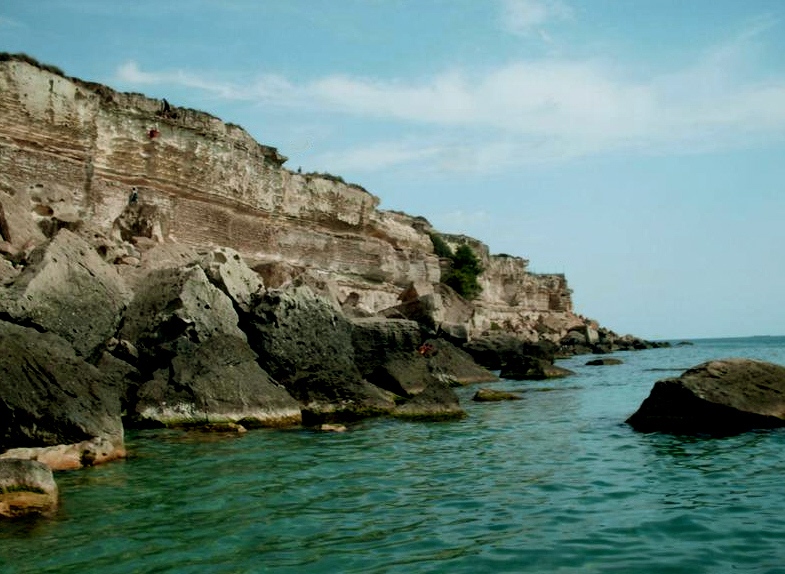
(305, 343)
(604, 361)
(214, 382)
(718, 397)
(69, 290)
(494, 395)
(27, 488)
(454, 366)
(436, 402)
(228, 271)
(375, 339)
(173, 304)
(53, 403)
(528, 368)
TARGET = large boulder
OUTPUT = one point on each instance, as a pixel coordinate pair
(68, 289)
(375, 339)
(172, 304)
(523, 367)
(305, 343)
(215, 382)
(54, 406)
(437, 401)
(718, 397)
(452, 365)
(495, 350)
(27, 488)
(227, 270)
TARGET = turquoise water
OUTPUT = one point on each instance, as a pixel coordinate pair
(552, 483)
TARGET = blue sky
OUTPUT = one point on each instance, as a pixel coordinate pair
(638, 146)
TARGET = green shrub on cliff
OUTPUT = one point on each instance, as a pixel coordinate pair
(464, 267)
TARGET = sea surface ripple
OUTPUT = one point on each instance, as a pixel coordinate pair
(555, 482)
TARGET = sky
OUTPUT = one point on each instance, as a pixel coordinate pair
(637, 146)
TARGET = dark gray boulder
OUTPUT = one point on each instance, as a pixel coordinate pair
(211, 383)
(604, 361)
(175, 304)
(375, 339)
(69, 290)
(305, 343)
(718, 397)
(436, 402)
(27, 488)
(452, 365)
(54, 406)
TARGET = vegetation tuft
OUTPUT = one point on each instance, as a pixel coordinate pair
(464, 268)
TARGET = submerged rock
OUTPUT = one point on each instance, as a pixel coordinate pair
(604, 361)
(493, 395)
(27, 488)
(718, 397)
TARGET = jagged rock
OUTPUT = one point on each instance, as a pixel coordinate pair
(453, 366)
(493, 395)
(53, 404)
(173, 304)
(215, 382)
(522, 367)
(604, 361)
(494, 351)
(305, 343)
(718, 397)
(436, 402)
(227, 270)
(441, 310)
(68, 290)
(7, 272)
(27, 488)
(18, 225)
(375, 338)
(405, 374)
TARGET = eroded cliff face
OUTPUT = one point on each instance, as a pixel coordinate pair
(72, 154)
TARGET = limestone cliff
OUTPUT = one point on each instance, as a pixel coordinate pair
(119, 167)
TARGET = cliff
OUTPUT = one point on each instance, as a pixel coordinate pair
(72, 153)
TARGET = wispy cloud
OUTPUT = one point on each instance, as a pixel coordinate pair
(6, 22)
(529, 17)
(530, 110)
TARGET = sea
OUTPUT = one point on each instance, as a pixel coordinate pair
(555, 482)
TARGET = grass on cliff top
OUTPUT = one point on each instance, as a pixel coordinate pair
(22, 57)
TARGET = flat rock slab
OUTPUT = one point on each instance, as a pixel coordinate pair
(492, 395)
(718, 397)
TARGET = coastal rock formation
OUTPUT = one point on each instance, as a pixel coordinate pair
(27, 488)
(718, 397)
(67, 289)
(215, 382)
(494, 395)
(54, 406)
(121, 170)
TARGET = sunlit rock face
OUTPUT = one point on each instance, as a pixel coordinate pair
(120, 169)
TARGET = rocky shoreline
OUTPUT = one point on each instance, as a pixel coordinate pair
(114, 315)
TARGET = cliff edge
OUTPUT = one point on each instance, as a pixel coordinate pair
(126, 171)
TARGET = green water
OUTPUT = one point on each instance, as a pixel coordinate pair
(552, 483)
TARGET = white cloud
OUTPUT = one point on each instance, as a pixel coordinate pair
(529, 110)
(6, 22)
(377, 156)
(528, 17)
